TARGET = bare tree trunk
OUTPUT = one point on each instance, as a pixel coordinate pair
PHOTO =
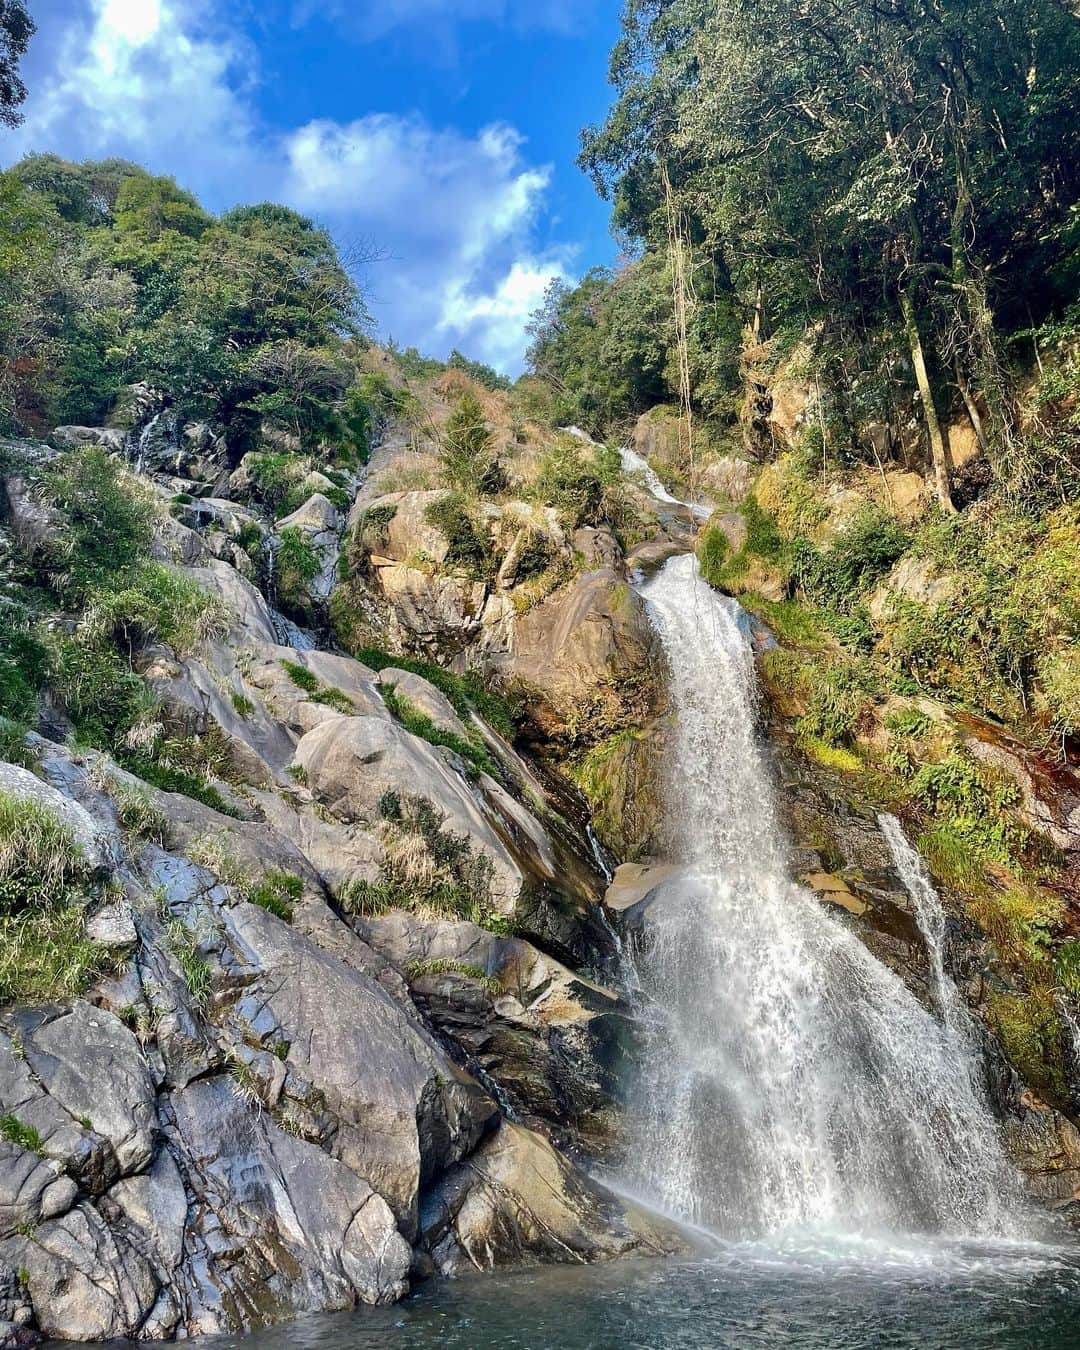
(972, 411)
(938, 449)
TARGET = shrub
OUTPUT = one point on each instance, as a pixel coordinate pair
(24, 663)
(276, 480)
(109, 519)
(468, 459)
(103, 696)
(297, 566)
(571, 483)
(41, 864)
(469, 548)
(153, 603)
(855, 561)
(425, 868)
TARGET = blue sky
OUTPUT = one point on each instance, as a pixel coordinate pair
(442, 131)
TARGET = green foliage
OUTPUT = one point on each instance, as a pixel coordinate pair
(45, 885)
(198, 976)
(42, 866)
(167, 775)
(297, 567)
(46, 957)
(426, 868)
(241, 703)
(785, 191)
(606, 348)
(139, 815)
(469, 460)
(277, 893)
(837, 576)
(469, 546)
(24, 663)
(419, 970)
(466, 693)
(109, 521)
(418, 723)
(712, 553)
(314, 687)
(23, 1136)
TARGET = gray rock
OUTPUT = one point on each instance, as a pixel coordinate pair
(91, 1065)
(285, 1227)
(74, 438)
(519, 1202)
(423, 695)
(352, 762)
(86, 1281)
(405, 1110)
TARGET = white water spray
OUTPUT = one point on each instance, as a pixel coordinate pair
(792, 1083)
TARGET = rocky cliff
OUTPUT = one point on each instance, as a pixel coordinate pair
(339, 1016)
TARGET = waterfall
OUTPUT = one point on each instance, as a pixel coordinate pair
(930, 918)
(791, 1082)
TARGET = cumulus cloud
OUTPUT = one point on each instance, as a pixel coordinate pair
(165, 83)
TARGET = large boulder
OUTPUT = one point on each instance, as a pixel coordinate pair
(518, 1202)
(351, 763)
(592, 656)
(405, 1112)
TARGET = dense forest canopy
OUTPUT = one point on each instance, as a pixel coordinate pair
(899, 179)
(113, 277)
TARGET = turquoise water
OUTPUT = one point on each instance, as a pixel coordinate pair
(936, 1297)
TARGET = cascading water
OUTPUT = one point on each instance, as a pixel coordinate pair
(791, 1082)
(930, 918)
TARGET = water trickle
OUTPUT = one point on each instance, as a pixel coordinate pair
(791, 1082)
(930, 918)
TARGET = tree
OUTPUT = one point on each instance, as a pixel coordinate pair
(16, 30)
(863, 167)
(467, 450)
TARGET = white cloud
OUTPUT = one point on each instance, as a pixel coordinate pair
(164, 83)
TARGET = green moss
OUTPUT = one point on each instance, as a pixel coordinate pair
(831, 756)
(1029, 1027)
(242, 703)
